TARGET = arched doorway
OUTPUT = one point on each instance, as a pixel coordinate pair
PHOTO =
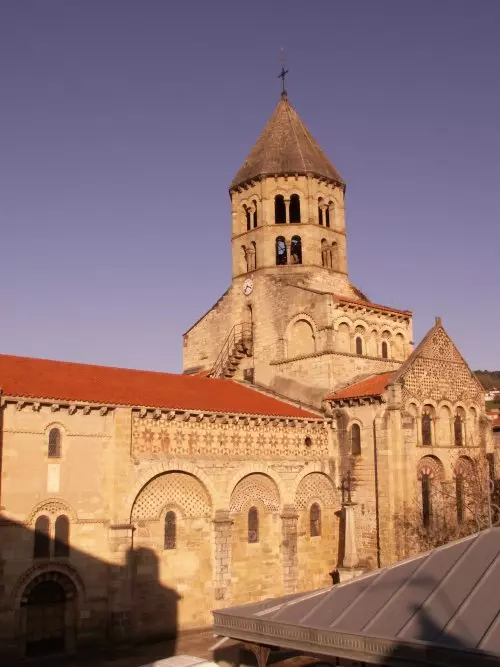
(48, 615)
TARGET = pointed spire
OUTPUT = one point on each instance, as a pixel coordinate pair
(286, 147)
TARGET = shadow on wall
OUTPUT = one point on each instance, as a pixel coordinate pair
(66, 602)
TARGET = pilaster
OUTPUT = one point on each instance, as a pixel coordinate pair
(289, 521)
(222, 555)
(120, 582)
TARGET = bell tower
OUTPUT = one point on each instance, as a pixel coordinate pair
(287, 204)
(291, 321)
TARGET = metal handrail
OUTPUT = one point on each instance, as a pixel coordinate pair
(235, 336)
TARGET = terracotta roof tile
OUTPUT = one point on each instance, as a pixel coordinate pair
(369, 304)
(62, 380)
(285, 147)
(375, 385)
(496, 423)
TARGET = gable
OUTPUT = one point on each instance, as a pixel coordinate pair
(436, 370)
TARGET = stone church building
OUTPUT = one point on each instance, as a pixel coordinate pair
(304, 430)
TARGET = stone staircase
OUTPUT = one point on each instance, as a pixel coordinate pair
(238, 344)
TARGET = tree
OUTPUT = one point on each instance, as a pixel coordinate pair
(445, 510)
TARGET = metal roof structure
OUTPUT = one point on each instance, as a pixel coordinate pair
(439, 608)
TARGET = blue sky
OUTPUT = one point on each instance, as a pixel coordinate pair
(123, 123)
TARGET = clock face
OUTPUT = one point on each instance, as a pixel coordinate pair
(248, 286)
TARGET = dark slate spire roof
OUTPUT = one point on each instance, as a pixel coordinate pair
(285, 147)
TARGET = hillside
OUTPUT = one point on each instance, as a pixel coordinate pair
(489, 379)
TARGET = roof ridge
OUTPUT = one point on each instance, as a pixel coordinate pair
(71, 382)
(289, 109)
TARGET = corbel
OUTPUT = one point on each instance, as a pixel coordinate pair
(236, 420)
(142, 413)
(72, 409)
(36, 407)
(54, 407)
(213, 419)
(171, 415)
(186, 416)
(200, 417)
(103, 410)
(157, 414)
(86, 410)
(20, 405)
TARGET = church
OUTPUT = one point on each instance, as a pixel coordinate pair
(306, 441)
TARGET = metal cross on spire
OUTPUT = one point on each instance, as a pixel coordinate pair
(283, 72)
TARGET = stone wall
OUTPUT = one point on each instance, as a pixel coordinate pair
(121, 472)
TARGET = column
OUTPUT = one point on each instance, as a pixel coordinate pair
(222, 556)
(289, 519)
(287, 210)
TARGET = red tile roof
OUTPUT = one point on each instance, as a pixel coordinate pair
(375, 385)
(369, 304)
(496, 423)
(61, 380)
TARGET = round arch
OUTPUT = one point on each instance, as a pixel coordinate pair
(308, 470)
(321, 496)
(307, 334)
(255, 468)
(54, 507)
(343, 320)
(46, 572)
(160, 468)
(431, 465)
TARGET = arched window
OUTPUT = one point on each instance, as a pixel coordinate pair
(426, 499)
(296, 250)
(254, 213)
(459, 489)
(279, 210)
(326, 255)
(315, 520)
(61, 543)
(253, 525)
(281, 257)
(170, 531)
(248, 219)
(320, 211)
(355, 440)
(335, 256)
(359, 345)
(251, 256)
(41, 545)
(327, 216)
(458, 430)
(385, 350)
(295, 208)
(54, 443)
(427, 429)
